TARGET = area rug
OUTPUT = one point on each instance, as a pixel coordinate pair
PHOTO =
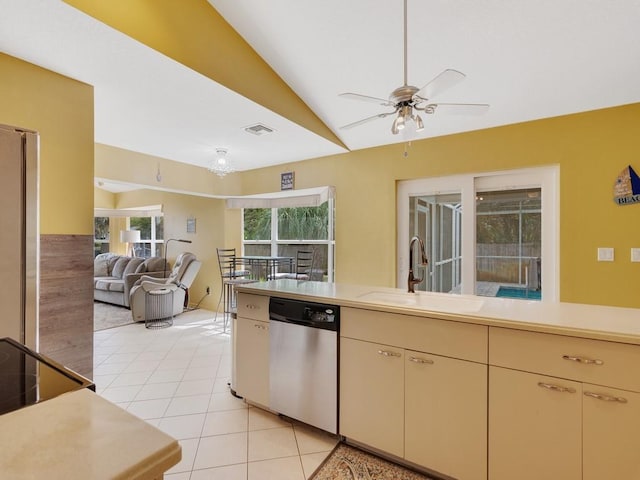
(349, 463)
(110, 316)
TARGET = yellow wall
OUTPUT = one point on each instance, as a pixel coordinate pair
(61, 111)
(132, 167)
(103, 199)
(591, 148)
(209, 215)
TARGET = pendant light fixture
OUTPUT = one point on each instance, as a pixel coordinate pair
(220, 165)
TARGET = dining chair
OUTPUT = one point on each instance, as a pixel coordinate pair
(303, 268)
(232, 272)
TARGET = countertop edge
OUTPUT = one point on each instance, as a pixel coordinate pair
(553, 316)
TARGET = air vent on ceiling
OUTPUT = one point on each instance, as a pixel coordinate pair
(258, 129)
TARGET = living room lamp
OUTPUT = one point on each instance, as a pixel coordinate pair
(130, 237)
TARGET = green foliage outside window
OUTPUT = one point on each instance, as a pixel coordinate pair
(303, 223)
(101, 228)
(257, 224)
(299, 223)
(143, 224)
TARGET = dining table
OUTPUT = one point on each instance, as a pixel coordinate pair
(264, 267)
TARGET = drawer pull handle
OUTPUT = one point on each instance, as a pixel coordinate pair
(586, 361)
(251, 307)
(605, 398)
(556, 388)
(257, 325)
(421, 360)
(387, 353)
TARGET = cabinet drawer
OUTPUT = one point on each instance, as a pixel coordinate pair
(251, 306)
(592, 361)
(430, 335)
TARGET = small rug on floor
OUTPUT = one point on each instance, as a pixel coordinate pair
(110, 316)
(349, 463)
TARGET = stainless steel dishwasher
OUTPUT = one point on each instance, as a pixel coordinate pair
(303, 363)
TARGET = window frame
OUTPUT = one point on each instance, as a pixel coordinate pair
(469, 185)
(153, 241)
(275, 241)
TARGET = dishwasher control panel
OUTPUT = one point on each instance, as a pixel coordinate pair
(311, 314)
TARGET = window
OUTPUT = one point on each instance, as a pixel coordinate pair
(100, 235)
(486, 234)
(151, 235)
(283, 231)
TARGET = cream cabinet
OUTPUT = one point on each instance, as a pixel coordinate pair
(372, 394)
(446, 415)
(535, 426)
(562, 407)
(416, 404)
(611, 433)
(251, 345)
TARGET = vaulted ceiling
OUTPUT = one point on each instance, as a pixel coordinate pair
(528, 60)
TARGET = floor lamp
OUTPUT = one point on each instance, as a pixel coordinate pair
(166, 247)
(130, 237)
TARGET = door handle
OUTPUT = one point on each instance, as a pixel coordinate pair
(421, 360)
(556, 388)
(605, 398)
(586, 361)
(387, 353)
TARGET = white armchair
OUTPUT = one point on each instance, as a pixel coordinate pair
(179, 280)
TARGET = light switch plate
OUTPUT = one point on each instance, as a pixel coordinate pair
(605, 254)
(635, 254)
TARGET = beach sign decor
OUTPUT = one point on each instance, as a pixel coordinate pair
(627, 187)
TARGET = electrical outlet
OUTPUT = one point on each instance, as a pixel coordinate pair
(605, 254)
(635, 254)
(208, 290)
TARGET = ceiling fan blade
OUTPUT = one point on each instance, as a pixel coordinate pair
(458, 108)
(442, 82)
(365, 120)
(366, 98)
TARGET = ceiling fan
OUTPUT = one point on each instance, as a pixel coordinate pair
(407, 98)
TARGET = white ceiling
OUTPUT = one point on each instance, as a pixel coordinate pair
(527, 59)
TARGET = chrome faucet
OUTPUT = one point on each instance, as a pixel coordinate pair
(423, 261)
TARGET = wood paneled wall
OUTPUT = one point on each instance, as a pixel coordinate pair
(66, 300)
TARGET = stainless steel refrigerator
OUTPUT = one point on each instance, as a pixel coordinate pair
(19, 235)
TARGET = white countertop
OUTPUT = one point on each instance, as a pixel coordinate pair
(579, 320)
(81, 435)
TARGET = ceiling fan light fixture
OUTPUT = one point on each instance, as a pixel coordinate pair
(220, 165)
(398, 124)
(419, 123)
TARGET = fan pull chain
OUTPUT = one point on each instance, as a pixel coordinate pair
(405, 154)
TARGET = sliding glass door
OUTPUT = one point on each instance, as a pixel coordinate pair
(505, 244)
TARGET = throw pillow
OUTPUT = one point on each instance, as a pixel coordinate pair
(155, 264)
(142, 268)
(118, 268)
(132, 266)
(101, 265)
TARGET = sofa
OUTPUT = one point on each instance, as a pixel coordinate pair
(114, 275)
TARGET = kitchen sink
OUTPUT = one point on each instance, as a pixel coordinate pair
(426, 301)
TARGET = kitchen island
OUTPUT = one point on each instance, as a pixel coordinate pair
(471, 388)
(81, 435)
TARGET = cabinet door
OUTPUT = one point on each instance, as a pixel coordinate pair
(372, 394)
(446, 415)
(535, 426)
(252, 360)
(611, 433)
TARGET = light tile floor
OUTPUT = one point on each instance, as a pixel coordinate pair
(177, 379)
